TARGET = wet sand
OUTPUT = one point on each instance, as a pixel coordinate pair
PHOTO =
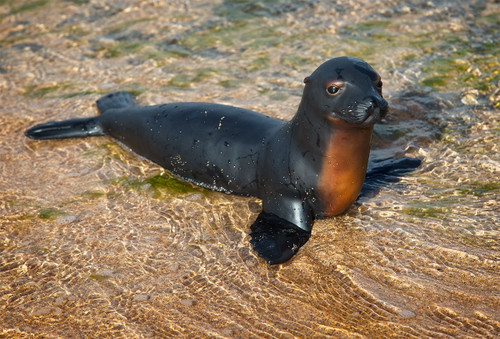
(97, 242)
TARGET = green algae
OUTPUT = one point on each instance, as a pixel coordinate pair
(119, 49)
(295, 61)
(126, 25)
(446, 197)
(79, 2)
(17, 38)
(437, 208)
(98, 277)
(159, 185)
(464, 68)
(278, 96)
(490, 21)
(450, 195)
(457, 138)
(107, 148)
(479, 189)
(371, 25)
(23, 204)
(43, 90)
(166, 182)
(204, 73)
(162, 55)
(373, 35)
(187, 78)
(260, 63)
(242, 9)
(480, 242)
(79, 93)
(44, 250)
(62, 90)
(76, 33)
(93, 194)
(237, 34)
(210, 37)
(180, 80)
(50, 213)
(30, 6)
(230, 83)
(426, 211)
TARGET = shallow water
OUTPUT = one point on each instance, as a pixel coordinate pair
(96, 241)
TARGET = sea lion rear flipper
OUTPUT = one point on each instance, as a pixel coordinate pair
(276, 239)
(115, 100)
(81, 127)
(382, 172)
(74, 128)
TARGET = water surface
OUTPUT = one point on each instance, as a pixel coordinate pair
(96, 241)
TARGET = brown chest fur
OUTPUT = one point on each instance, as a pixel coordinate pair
(344, 167)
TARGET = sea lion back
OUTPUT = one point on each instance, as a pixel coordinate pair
(216, 146)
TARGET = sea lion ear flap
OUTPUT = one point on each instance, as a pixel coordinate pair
(307, 80)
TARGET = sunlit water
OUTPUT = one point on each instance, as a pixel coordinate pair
(97, 242)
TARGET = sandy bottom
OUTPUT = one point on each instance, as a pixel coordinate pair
(97, 242)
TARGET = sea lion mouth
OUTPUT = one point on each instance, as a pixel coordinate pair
(371, 119)
(365, 113)
(375, 113)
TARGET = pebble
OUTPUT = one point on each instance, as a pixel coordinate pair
(66, 219)
(187, 302)
(407, 314)
(141, 297)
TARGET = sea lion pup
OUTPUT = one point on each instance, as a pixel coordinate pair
(312, 166)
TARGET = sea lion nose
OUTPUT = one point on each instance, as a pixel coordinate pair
(377, 105)
(383, 106)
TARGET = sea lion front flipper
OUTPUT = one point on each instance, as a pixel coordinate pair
(276, 239)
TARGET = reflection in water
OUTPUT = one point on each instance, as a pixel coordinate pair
(95, 243)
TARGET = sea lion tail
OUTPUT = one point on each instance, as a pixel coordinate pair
(82, 127)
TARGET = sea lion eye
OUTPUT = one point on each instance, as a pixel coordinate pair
(379, 84)
(332, 89)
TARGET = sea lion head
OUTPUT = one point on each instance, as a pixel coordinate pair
(346, 88)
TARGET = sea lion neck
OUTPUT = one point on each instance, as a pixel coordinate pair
(312, 130)
(344, 166)
(309, 129)
(341, 151)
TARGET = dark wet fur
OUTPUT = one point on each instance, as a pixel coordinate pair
(240, 151)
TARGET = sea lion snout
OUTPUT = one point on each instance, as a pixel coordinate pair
(362, 112)
(371, 111)
(361, 103)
